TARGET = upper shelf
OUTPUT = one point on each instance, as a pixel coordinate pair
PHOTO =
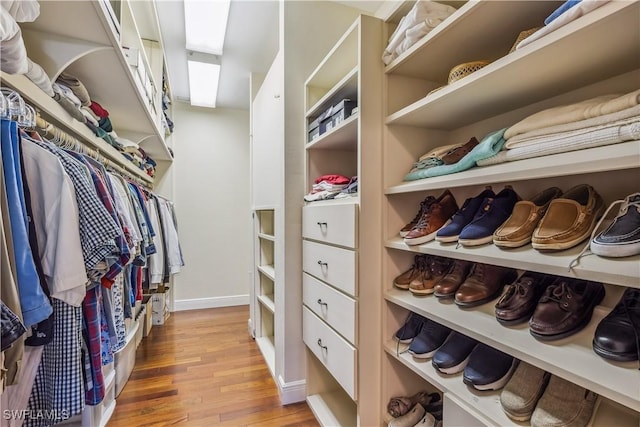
(88, 47)
(557, 63)
(343, 137)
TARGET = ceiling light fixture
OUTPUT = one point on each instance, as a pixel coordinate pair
(206, 24)
(203, 83)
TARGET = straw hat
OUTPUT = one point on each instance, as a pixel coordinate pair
(466, 68)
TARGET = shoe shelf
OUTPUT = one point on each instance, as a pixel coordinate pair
(265, 236)
(625, 155)
(524, 76)
(268, 302)
(267, 270)
(333, 409)
(571, 358)
(618, 271)
(344, 137)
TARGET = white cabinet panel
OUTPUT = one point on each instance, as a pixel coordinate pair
(333, 265)
(331, 223)
(334, 307)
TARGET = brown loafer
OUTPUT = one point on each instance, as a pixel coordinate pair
(569, 220)
(485, 282)
(456, 154)
(518, 228)
(449, 284)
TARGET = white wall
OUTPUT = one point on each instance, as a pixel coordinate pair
(211, 194)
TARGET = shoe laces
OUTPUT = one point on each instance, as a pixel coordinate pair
(423, 207)
(557, 293)
(478, 271)
(626, 202)
(439, 266)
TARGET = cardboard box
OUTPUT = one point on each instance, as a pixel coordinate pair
(159, 308)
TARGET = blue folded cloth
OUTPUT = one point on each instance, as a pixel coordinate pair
(489, 146)
(560, 10)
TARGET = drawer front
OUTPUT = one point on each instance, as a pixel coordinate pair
(334, 307)
(335, 353)
(336, 224)
(335, 266)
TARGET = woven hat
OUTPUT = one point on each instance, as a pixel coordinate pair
(523, 35)
(466, 68)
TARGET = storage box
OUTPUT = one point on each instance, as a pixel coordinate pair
(159, 307)
(147, 322)
(314, 129)
(326, 123)
(342, 111)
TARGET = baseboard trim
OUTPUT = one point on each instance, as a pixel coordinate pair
(213, 302)
(293, 392)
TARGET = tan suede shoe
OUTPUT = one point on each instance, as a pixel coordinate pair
(525, 217)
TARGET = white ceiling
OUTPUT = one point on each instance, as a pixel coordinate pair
(250, 45)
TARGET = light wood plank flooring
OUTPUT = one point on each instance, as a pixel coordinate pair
(201, 368)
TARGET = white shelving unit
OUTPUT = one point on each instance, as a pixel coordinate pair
(575, 62)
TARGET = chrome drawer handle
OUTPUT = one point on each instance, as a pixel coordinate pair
(322, 303)
(324, 347)
(323, 264)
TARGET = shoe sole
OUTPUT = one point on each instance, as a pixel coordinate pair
(407, 341)
(423, 355)
(476, 242)
(447, 239)
(403, 233)
(511, 243)
(444, 296)
(496, 385)
(517, 417)
(615, 251)
(403, 287)
(583, 323)
(566, 245)
(421, 292)
(510, 322)
(424, 239)
(453, 369)
(618, 357)
(479, 302)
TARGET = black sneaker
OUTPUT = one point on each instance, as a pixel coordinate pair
(622, 237)
(617, 336)
(431, 337)
(410, 329)
(488, 368)
(454, 354)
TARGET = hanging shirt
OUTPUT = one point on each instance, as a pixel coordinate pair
(156, 260)
(174, 252)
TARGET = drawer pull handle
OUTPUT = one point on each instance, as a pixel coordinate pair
(322, 303)
(322, 224)
(324, 347)
(323, 264)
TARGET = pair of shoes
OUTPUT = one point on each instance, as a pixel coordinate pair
(483, 284)
(617, 336)
(517, 230)
(545, 399)
(403, 281)
(480, 216)
(518, 302)
(416, 417)
(566, 307)
(569, 219)
(430, 402)
(424, 273)
(488, 368)
(452, 357)
(449, 283)
(433, 215)
(431, 336)
(411, 328)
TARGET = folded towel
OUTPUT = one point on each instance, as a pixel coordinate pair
(577, 128)
(76, 87)
(68, 93)
(562, 9)
(560, 143)
(13, 54)
(489, 146)
(36, 74)
(583, 110)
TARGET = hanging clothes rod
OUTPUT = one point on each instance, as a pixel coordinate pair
(65, 140)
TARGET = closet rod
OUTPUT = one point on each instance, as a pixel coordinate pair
(59, 134)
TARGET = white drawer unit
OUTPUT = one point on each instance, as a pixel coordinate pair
(333, 265)
(335, 308)
(335, 224)
(335, 353)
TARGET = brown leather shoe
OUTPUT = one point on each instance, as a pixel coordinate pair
(436, 268)
(565, 308)
(484, 283)
(404, 279)
(569, 220)
(437, 215)
(449, 284)
(520, 298)
(516, 231)
(456, 154)
(428, 201)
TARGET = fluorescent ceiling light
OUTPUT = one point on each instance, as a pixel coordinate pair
(203, 83)
(206, 24)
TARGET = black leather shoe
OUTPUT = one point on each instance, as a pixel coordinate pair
(454, 354)
(519, 301)
(488, 368)
(617, 336)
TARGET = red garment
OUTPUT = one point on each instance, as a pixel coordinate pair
(332, 179)
(139, 285)
(98, 110)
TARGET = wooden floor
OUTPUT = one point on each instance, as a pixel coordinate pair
(201, 368)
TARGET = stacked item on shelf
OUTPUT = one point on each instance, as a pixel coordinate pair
(167, 123)
(331, 118)
(423, 409)
(327, 187)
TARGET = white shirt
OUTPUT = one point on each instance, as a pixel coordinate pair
(156, 261)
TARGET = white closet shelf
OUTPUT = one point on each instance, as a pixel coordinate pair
(345, 201)
(344, 137)
(333, 409)
(268, 302)
(265, 236)
(528, 75)
(267, 348)
(625, 155)
(57, 115)
(268, 270)
(618, 271)
(345, 88)
(486, 405)
(571, 358)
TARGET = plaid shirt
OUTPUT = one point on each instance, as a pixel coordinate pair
(97, 228)
(94, 383)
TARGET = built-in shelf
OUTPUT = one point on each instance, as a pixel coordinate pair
(616, 381)
(333, 409)
(53, 112)
(616, 271)
(625, 155)
(268, 271)
(346, 88)
(343, 137)
(267, 302)
(526, 75)
(265, 236)
(267, 348)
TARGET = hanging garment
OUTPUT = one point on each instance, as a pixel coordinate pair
(174, 252)
(11, 327)
(13, 54)
(156, 260)
(16, 397)
(94, 380)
